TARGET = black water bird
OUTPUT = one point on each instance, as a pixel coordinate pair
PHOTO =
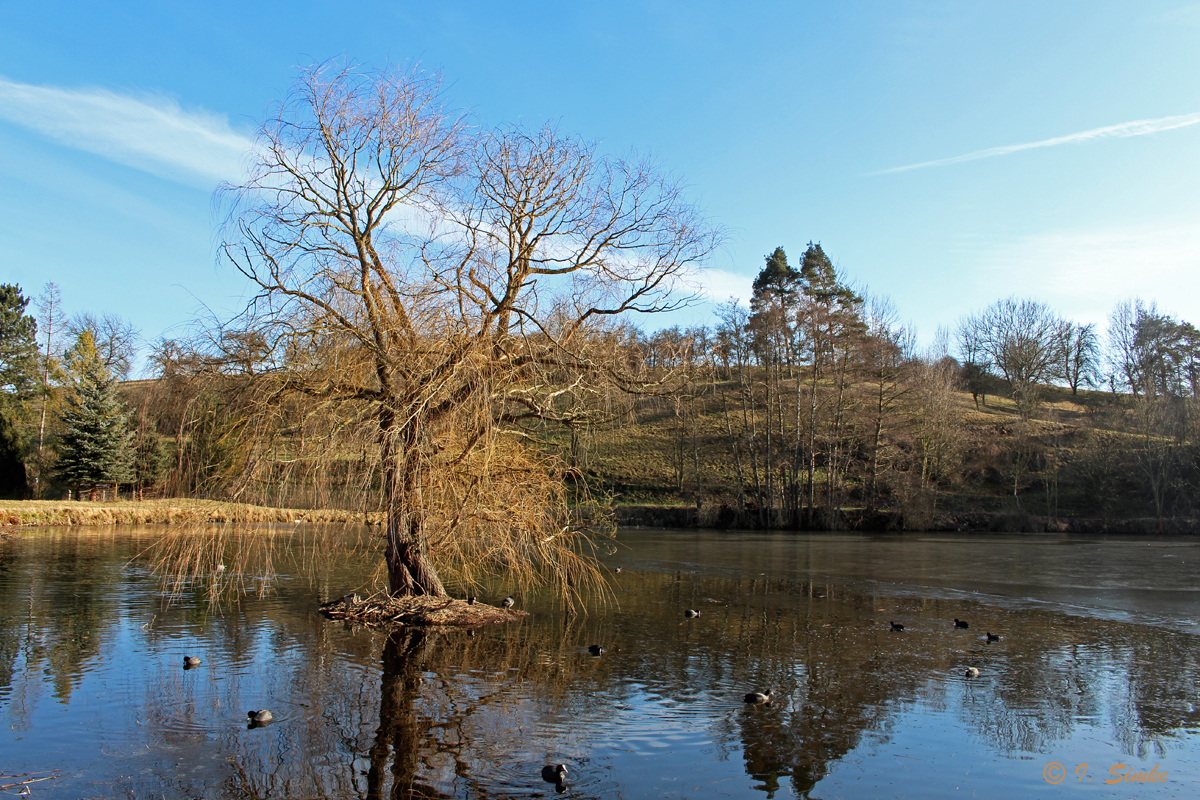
(191, 661)
(972, 672)
(554, 773)
(261, 717)
(896, 626)
(960, 623)
(760, 697)
(471, 600)
(994, 637)
(507, 602)
(596, 650)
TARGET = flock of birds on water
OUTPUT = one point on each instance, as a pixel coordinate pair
(255, 719)
(556, 773)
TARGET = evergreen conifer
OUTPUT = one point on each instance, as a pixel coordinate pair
(96, 446)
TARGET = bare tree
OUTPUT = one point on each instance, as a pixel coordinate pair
(50, 331)
(976, 367)
(1021, 338)
(115, 337)
(1120, 348)
(454, 287)
(937, 430)
(888, 365)
(1080, 354)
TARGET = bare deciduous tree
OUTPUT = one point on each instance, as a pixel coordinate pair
(1021, 338)
(115, 337)
(1080, 354)
(453, 285)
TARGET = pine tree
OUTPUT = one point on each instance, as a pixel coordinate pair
(13, 480)
(97, 445)
(18, 346)
(777, 280)
(18, 372)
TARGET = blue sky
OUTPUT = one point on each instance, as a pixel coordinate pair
(945, 154)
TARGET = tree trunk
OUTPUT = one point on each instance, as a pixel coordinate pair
(410, 572)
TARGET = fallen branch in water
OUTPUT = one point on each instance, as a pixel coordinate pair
(28, 780)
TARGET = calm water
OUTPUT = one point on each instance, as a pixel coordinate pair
(1098, 666)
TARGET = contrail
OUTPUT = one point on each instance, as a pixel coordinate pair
(1124, 130)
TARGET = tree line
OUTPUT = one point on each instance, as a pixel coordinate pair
(823, 405)
(64, 424)
(826, 407)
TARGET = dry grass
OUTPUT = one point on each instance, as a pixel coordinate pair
(164, 512)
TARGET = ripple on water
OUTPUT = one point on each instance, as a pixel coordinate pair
(523, 778)
(648, 723)
(185, 718)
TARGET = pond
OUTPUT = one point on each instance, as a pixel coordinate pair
(1094, 681)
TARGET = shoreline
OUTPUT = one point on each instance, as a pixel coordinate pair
(726, 518)
(48, 513)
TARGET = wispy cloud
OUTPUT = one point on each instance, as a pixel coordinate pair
(1124, 130)
(718, 285)
(150, 133)
(1083, 272)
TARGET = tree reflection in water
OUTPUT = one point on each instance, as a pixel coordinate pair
(421, 713)
(401, 734)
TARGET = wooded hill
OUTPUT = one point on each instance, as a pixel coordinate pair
(1078, 467)
(728, 446)
(811, 409)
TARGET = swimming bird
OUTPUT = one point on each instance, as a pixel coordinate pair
(554, 773)
(691, 613)
(507, 602)
(596, 650)
(994, 637)
(191, 661)
(972, 672)
(760, 697)
(261, 717)
(896, 626)
(960, 623)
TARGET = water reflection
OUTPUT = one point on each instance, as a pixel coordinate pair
(91, 679)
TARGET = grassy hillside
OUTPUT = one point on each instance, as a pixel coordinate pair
(1070, 461)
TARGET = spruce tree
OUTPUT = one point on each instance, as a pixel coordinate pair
(13, 480)
(18, 380)
(97, 444)
(18, 346)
